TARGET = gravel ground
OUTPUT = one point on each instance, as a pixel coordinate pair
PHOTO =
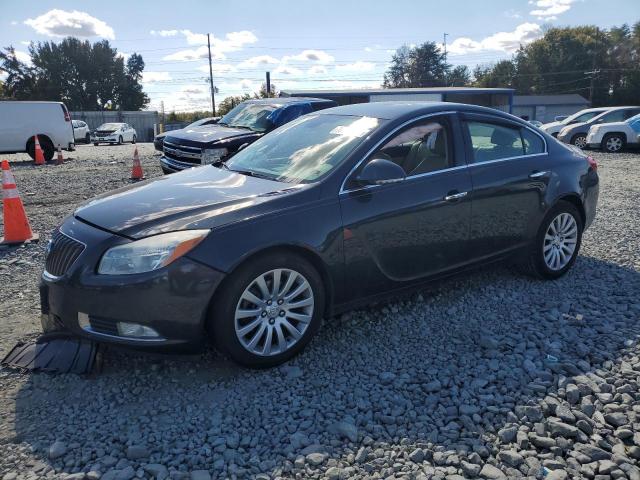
(491, 375)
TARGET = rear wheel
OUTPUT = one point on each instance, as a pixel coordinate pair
(120, 140)
(133, 140)
(613, 143)
(95, 144)
(268, 310)
(87, 139)
(579, 140)
(45, 144)
(557, 243)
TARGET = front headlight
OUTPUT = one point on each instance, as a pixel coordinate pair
(149, 253)
(213, 155)
(563, 132)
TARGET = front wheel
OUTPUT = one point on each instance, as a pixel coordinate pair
(120, 140)
(268, 310)
(87, 139)
(613, 143)
(579, 140)
(133, 140)
(95, 144)
(557, 243)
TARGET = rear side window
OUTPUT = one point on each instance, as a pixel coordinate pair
(491, 141)
(532, 143)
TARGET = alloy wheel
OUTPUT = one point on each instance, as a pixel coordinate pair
(274, 312)
(560, 241)
(614, 144)
(580, 142)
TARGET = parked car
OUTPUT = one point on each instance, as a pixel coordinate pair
(553, 128)
(158, 140)
(81, 132)
(615, 137)
(329, 211)
(576, 134)
(113, 133)
(21, 121)
(238, 128)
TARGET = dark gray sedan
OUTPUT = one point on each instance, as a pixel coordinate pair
(328, 212)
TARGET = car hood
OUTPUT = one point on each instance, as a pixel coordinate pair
(208, 133)
(204, 197)
(551, 125)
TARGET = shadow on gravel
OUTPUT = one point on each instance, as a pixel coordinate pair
(440, 371)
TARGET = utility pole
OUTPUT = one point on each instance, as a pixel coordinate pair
(594, 71)
(213, 100)
(444, 44)
(268, 84)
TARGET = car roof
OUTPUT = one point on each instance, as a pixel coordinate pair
(398, 109)
(288, 100)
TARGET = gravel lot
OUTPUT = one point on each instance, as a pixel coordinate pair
(490, 375)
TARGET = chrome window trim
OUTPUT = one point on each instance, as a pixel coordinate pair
(384, 139)
(498, 160)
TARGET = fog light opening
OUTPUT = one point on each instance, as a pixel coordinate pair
(127, 329)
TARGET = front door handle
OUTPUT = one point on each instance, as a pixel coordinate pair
(452, 197)
(536, 174)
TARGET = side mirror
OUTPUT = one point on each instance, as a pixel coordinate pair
(380, 171)
(559, 118)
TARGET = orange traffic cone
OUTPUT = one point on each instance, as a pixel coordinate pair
(136, 171)
(39, 155)
(16, 224)
(59, 159)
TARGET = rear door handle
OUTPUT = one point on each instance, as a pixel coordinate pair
(450, 197)
(537, 174)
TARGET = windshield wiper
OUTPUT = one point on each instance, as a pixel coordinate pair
(242, 126)
(251, 173)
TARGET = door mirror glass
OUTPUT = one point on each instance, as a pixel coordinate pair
(380, 171)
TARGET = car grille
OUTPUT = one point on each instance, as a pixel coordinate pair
(62, 252)
(182, 153)
(103, 325)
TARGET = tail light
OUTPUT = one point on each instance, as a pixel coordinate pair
(67, 115)
(592, 163)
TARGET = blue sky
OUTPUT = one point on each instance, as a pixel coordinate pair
(305, 44)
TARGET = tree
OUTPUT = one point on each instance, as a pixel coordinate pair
(230, 102)
(82, 75)
(459, 77)
(420, 66)
(500, 74)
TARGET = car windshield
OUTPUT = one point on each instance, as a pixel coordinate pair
(110, 126)
(581, 117)
(249, 115)
(304, 150)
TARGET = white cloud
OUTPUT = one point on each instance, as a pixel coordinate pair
(25, 42)
(501, 41)
(358, 66)
(231, 42)
(217, 68)
(152, 77)
(549, 9)
(23, 57)
(259, 61)
(62, 23)
(317, 56)
(317, 70)
(14, 22)
(285, 70)
(164, 33)
(123, 56)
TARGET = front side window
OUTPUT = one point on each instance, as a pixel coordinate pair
(491, 141)
(420, 148)
(615, 116)
(305, 149)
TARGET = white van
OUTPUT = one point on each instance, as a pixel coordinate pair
(20, 121)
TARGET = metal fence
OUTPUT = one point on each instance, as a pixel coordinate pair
(143, 122)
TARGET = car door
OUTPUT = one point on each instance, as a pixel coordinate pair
(398, 232)
(510, 171)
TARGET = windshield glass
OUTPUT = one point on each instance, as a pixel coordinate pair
(304, 150)
(110, 126)
(249, 115)
(578, 117)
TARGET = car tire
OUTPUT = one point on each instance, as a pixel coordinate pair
(95, 144)
(227, 320)
(87, 139)
(579, 140)
(538, 264)
(48, 149)
(133, 140)
(120, 140)
(614, 143)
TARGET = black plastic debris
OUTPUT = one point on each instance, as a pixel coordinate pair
(53, 353)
